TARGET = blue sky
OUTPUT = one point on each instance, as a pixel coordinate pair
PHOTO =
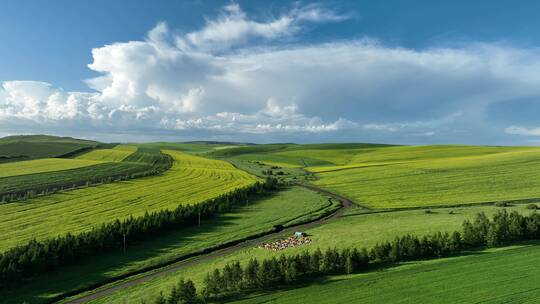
(410, 72)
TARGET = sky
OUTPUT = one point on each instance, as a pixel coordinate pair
(403, 72)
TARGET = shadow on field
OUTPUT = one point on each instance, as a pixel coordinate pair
(94, 271)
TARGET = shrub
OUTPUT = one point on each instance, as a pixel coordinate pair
(532, 206)
(502, 204)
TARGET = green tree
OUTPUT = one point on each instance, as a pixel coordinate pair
(251, 273)
(160, 299)
(187, 293)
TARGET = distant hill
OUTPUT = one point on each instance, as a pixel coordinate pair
(22, 147)
(212, 142)
(282, 147)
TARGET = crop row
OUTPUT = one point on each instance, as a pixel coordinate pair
(190, 180)
(22, 187)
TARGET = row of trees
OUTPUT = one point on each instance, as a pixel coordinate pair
(283, 270)
(47, 187)
(46, 255)
(502, 229)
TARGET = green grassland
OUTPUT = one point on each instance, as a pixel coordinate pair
(392, 180)
(405, 176)
(503, 275)
(23, 179)
(191, 180)
(260, 215)
(198, 147)
(13, 148)
(116, 154)
(296, 156)
(66, 178)
(42, 165)
(484, 175)
(146, 155)
(363, 230)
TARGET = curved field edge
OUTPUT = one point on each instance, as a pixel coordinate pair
(116, 154)
(502, 275)
(364, 230)
(27, 186)
(190, 180)
(258, 217)
(42, 166)
(134, 165)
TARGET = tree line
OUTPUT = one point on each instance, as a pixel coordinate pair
(37, 257)
(504, 228)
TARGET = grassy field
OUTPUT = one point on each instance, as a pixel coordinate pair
(501, 275)
(378, 176)
(260, 215)
(427, 176)
(364, 230)
(13, 148)
(296, 156)
(116, 154)
(25, 183)
(41, 175)
(200, 148)
(405, 176)
(43, 165)
(191, 179)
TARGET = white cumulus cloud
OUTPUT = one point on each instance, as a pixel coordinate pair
(234, 77)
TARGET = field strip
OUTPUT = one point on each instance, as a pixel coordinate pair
(116, 154)
(43, 166)
(323, 169)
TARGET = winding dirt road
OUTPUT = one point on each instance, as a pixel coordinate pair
(111, 288)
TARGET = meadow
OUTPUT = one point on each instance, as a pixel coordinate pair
(295, 156)
(361, 230)
(27, 179)
(502, 275)
(397, 183)
(191, 180)
(485, 175)
(39, 182)
(196, 147)
(260, 215)
(13, 148)
(42, 166)
(389, 177)
(116, 154)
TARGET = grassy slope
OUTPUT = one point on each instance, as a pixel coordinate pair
(117, 154)
(59, 173)
(406, 176)
(41, 146)
(296, 156)
(191, 147)
(67, 177)
(496, 276)
(191, 179)
(260, 216)
(43, 165)
(425, 176)
(360, 230)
